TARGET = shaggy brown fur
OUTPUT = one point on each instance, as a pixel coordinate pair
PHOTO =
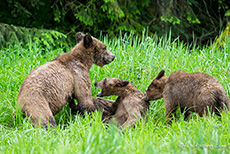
(47, 89)
(192, 92)
(129, 105)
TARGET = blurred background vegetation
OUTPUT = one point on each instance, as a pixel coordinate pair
(55, 22)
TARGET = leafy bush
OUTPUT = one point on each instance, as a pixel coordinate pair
(186, 19)
(13, 35)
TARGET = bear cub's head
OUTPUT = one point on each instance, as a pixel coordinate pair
(156, 88)
(100, 54)
(111, 86)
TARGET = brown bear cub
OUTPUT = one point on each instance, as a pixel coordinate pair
(192, 92)
(48, 88)
(129, 105)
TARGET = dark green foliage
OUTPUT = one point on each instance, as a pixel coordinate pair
(187, 19)
(108, 16)
(13, 35)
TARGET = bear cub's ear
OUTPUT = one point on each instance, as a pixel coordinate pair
(88, 41)
(122, 84)
(161, 74)
(79, 36)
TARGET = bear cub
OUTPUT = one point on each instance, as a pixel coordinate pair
(129, 106)
(49, 87)
(192, 92)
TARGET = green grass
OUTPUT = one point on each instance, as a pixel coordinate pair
(137, 60)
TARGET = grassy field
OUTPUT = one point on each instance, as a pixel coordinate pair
(137, 60)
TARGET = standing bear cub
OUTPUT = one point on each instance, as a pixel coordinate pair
(48, 88)
(192, 92)
(129, 105)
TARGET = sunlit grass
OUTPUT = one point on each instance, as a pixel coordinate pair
(137, 60)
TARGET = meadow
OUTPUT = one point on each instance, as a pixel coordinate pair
(138, 60)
